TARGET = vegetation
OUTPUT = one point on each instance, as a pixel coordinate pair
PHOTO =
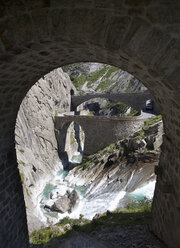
(95, 76)
(136, 213)
(152, 121)
(78, 81)
(105, 73)
(21, 151)
(133, 113)
(27, 191)
(147, 124)
(90, 113)
(110, 71)
(119, 107)
(83, 166)
(104, 84)
(21, 162)
(22, 177)
(112, 86)
(72, 139)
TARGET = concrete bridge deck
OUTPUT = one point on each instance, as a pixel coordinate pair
(100, 131)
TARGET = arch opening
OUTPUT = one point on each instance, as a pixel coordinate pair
(126, 34)
(70, 139)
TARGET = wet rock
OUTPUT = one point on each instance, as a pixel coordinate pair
(108, 213)
(73, 197)
(62, 205)
(96, 216)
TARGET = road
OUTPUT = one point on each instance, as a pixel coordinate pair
(147, 114)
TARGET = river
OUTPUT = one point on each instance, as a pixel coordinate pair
(88, 207)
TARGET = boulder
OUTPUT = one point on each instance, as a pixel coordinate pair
(136, 144)
(73, 197)
(65, 203)
(62, 205)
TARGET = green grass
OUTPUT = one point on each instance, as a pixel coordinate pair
(90, 113)
(45, 235)
(95, 76)
(79, 81)
(147, 124)
(112, 86)
(21, 162)
(136, 213)
(22, 177)
(82, 92)
(120, 107)
(83, 166)
(133, 113)
(72, 139)
(27, 191)
(151, 121)
(110, 71)
(104, 84)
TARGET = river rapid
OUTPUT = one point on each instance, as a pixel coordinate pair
(87, 206)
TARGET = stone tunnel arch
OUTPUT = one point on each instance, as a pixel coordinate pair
(141, 37)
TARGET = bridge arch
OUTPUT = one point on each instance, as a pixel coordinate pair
(140, 37)
(135, 100)
(70, 134)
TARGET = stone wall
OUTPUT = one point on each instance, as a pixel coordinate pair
(134, 100)
(100, 131)
(138, 36)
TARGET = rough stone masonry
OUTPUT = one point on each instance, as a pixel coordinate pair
(138, 36)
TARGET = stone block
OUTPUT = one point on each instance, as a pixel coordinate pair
(59, 21)
(104, 4)
(97, 28)
(117, 31)
(137, 3)
(31, 5)
(163, 15)
(167, 188)
(158, 170)
(135, 36)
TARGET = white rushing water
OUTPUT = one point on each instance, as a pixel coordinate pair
(87, 207)
(147, 190)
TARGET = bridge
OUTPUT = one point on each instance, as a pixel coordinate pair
(119, 33)
(134, 100)
(100, 131)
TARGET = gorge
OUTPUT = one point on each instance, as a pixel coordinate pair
(110, 179)
(140, 37)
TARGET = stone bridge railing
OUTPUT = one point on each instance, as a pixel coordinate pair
(134, 100)
(100, 131)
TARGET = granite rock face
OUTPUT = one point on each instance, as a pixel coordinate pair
(36, 145)
(124, 165)
(98, 78)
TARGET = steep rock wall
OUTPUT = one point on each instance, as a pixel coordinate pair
(101, 78)
(36, 144)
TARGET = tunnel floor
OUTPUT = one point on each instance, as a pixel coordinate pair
(138, 236)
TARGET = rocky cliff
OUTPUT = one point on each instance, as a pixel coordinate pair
(123, 166)
(101, 78)
(96, 77)
(36, 145)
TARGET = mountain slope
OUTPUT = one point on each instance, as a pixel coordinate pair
(95, 77)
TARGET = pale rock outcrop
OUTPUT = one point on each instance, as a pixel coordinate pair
(64, 203)
(125, 165)
(36, 144)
